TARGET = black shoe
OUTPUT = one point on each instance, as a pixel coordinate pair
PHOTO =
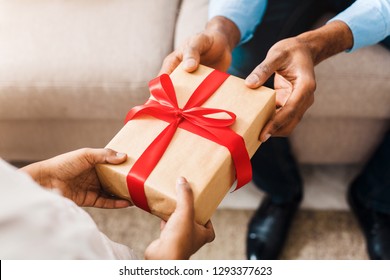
(268, 229)
(375, 226)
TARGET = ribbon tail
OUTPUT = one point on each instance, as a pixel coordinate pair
(233, 142)
(236, 146)
(145, 165)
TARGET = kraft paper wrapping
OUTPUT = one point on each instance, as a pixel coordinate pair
(207, 166)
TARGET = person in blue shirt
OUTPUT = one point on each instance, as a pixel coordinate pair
(248, 37)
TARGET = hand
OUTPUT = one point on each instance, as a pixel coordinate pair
(181, 236)
(74, 175)
(212, 47)
(291, 61)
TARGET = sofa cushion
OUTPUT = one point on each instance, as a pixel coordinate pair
(80, 59)
(191, 20)
(354, 85)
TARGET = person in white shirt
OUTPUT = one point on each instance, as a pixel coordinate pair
(41, 217)
(271, 43)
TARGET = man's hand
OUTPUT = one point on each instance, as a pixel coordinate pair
(74, 175)
(294, 83)
(212, 47)
(181, 236)
(293, 60)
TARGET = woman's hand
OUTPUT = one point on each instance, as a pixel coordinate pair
(74, 175)
(181, 236)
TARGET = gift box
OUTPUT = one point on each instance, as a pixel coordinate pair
(211, 137)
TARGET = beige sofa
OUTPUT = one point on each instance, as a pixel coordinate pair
(70, 70)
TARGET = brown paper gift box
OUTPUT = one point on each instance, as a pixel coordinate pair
(207, 166)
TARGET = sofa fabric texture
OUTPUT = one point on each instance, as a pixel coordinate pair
(70, 70)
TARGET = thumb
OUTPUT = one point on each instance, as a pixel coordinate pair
(184, 199)
(96, 156)
(260, 74)
(193, 49)
(114, 157)
(272, 63)
(191, 59)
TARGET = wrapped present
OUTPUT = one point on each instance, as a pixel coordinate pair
(203, 126)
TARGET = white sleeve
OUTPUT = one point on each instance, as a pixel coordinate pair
(40, 224)
(246, 14)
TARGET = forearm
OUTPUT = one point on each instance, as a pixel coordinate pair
(226, 28)
(328, 40)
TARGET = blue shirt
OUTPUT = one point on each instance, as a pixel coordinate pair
(246, 14)
(369, 20)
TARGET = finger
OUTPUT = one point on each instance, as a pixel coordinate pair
(191, 58)
(121, 203)
(210, 232)
(171, 62)
(193, 50)
(184, 199)
(110, 203)
(114, 157)
(96, 156)
(284, 117)
(272, 62)
(277, 127)
(162, 225)
(288, 116)
(295, 105)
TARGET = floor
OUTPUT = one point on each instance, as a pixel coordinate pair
(323, 229)
(315, 234)
(325, 188)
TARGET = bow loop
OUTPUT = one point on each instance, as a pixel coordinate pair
(205, 122)
(210, 117)
(162, 89)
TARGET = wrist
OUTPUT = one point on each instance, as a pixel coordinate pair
(328, 40)
(225, 28)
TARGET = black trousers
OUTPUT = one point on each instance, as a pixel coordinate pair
(275, 170)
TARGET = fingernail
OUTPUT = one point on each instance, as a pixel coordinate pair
(266, 137)
(189, 63)
(120, 155)
(181, 181)
(252, 79)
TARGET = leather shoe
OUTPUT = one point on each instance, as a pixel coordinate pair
(268, 229)
(375, 226)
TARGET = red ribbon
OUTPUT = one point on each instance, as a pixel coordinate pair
(192, 118)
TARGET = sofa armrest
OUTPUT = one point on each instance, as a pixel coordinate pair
(192, 19)
(70, 70)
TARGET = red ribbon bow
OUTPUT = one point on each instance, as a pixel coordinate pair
(192, 118)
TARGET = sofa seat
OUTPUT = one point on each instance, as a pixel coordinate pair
(70, 70)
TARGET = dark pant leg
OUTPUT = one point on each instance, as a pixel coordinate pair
(275, 170)
(386, 43)
(373, 182)
(372, 185)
